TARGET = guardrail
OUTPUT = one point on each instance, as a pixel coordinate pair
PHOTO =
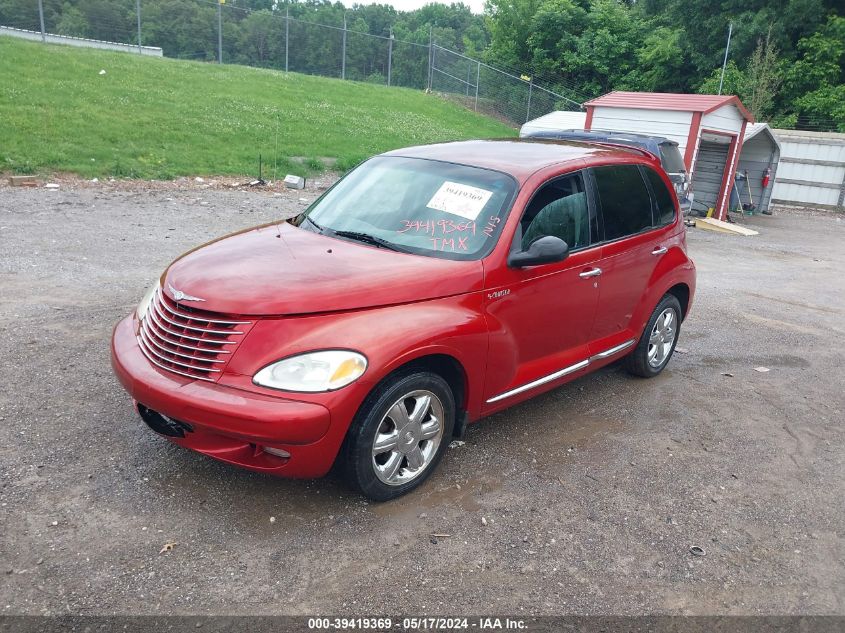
(50, 38)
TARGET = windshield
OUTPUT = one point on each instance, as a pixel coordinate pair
(416, 205)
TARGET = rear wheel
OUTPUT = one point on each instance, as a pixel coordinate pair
(399, 435)
(658, 340)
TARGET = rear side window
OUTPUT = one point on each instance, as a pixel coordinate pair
(624, 198)
(664, 208)
(670, 158)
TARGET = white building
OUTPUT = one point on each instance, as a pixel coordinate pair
(717, 138)
(812, 169)
(709, 130)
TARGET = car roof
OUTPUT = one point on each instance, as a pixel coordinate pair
(517, 157)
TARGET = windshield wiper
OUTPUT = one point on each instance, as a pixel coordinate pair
(368, 239)
(316, 226)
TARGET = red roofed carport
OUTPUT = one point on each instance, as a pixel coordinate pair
(707, 126)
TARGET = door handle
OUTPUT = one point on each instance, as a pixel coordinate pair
(659, 250)
(593, 272)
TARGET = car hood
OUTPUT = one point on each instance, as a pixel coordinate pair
(279, 269)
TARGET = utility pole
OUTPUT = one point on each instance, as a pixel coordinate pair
(220, 31)
(138, 12)
(343, 61)
(430, 54)
(725, 62)
(41, 17)
(530, 89)
(287, 35)
(389, 55)
(477, 78)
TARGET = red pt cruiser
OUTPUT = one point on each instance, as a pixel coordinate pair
(430, 287)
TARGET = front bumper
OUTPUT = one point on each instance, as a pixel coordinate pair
(229, 424)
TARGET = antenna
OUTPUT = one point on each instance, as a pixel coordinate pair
(725, 62)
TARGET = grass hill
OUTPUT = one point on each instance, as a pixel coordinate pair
(161, 118)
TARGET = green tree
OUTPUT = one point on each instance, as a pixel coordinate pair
(109, 20)
(824, 107)
(705, 26)
(763, 78)
(822, 56)
(816, 79)
(262, 36)
(476, 39)
(735, 81)
(511, 23)
(660, 61)
(181, 28)
(72, 22)
(605, 52)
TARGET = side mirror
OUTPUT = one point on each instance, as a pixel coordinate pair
(546, 250)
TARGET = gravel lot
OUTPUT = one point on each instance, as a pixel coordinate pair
(592, 494)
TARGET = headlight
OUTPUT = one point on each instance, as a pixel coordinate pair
(141, 310)
(313, 372)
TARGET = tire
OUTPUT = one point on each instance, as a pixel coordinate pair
(656, 345)
(401, 413)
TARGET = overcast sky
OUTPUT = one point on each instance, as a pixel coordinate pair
(477, 6)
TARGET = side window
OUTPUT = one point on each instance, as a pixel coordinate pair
(624, 198)
(559, 208)
(671, 160)
(664, 211)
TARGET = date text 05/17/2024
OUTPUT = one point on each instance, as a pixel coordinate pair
(418, 623)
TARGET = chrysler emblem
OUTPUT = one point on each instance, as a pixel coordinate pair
(178, 295)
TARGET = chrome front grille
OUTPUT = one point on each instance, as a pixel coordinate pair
(188, 341)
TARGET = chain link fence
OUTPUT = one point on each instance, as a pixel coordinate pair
(495, 92)
(207, 30)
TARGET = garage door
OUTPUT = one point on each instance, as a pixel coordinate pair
(709, 171)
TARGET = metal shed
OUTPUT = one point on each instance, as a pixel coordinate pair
(709, 130)
(812, 169)
(760, 154)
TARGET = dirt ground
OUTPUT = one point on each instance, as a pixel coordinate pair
(592, 494)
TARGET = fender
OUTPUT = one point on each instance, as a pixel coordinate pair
(389, 337)
(674, 267)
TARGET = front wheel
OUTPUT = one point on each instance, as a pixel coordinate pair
(657, 342)
(399, 435)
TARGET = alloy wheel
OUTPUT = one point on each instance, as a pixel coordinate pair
(662, 338)
(408, 437)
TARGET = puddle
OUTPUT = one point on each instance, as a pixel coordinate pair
(575, 434)
(434, 498)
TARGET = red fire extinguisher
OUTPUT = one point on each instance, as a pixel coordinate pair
(767, 176)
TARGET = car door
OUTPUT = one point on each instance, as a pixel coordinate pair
(540, 317)
(634, 234)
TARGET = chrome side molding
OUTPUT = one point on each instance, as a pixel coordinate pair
(613, 350)
(540, 381)
(562, 372)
